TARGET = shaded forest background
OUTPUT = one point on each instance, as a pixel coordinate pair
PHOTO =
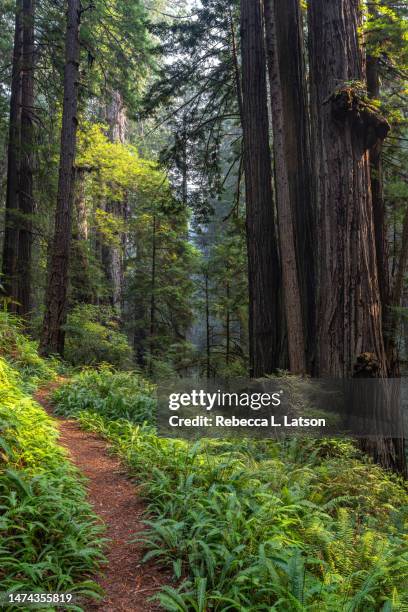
(212, 187)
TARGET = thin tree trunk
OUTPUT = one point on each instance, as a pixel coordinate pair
(184, 168)
(228, 327)
(10, 245)
(394, 316)
(80, 205)
(291, 292)
(263, 259)
(52, 339)
(350, 326)
(139, 335)
(153, 296)
(116, 117)
(26, 199)
(207, 327)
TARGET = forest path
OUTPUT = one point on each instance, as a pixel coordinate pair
(127, 583)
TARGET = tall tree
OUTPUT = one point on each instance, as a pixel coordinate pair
(263, 259)
(26, 200)
(112, 254)
(350, 326)
(10, 245)
(296, 135)
(52, 338)
(291, 290)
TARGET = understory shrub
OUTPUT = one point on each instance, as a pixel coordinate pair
(115, 395)
(93, 337)
(251, 525)
(21, 352)
(50, 540)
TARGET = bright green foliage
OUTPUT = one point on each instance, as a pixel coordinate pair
(387, 32)
(249, 525)
(49, 537)
(21, 352)
(115, 395)
(131, 208)
(93, 337)
(114, 168)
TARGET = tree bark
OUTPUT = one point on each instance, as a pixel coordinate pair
(291, 291)
(394, 316)
(26, 199)
(116, 117)
(207, 326)
(377, 191)
(11, 235)
(349, 303)
(52, 339)
(263, 259)
(153, 296)
(299, 161)
(228, 326)
(390, 322)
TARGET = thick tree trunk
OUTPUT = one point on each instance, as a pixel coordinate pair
(291, 291)
(10, 244)
(373, 89)
(52, 339)
(263, 259)
(26, 199)
(296, 136)
(380, 229)
(349, 304)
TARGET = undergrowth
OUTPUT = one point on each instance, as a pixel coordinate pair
(255, 525)
(21, 353)
(50, 540)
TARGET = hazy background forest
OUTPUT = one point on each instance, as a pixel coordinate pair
(157, 272)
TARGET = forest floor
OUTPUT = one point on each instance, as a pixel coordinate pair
(127, 583)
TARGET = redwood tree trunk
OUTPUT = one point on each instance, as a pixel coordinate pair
(26, 199)
(373, 88)
(291, 292)
(296, 135)
(349, 304)
(52, 339)
(11, 235)
(263, 259)
(380, 229)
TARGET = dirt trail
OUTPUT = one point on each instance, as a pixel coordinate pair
(127, 583)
